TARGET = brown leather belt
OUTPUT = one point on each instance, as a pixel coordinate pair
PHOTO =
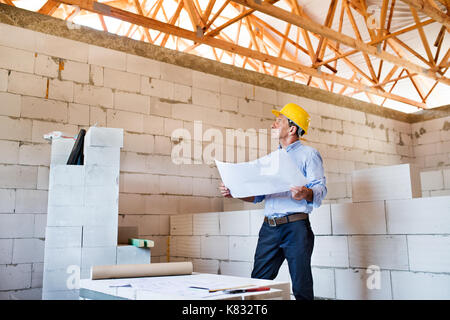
(273, 222)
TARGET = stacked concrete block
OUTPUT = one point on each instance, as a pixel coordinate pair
(363, 250)
(82, 223)
(98, 85)
(216, 241)
(386, 183)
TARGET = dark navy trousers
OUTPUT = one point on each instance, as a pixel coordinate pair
(293, 241)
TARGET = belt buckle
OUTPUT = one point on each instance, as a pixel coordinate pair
(272, 221)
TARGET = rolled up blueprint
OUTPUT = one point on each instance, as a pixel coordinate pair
(141, 270)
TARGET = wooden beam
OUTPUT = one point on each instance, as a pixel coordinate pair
(328, 22)
(415, 53)
(193, 13)
(383, 15)
(236, 41)
(438, 43)
(389, 35)
(248, 25)
(208, 10)
(139, 9)
(431, 11)
(8, 2)
(172, 21)
(299, 11)
(210, 22)
(358, 36)
(423, 37)
(393, 86)
(282, 47)
(49, 7)
(342, 38)
(434, 86)
(224, 45)
(384, 31)
(103, 23)
(414, 81)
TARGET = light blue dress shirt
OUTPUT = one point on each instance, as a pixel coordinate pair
(310, 164)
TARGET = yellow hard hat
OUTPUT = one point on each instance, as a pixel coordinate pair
(295, 113)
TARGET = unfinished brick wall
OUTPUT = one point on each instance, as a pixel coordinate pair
(431, 140)
(50, 83)
(385, 249)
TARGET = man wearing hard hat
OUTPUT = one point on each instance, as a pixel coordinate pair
(286, 232)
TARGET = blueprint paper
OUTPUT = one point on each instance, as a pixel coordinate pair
(270, 174)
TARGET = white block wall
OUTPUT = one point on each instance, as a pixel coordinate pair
(49, 83)
(407, 242)
(82, 224)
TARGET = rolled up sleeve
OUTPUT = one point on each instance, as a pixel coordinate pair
(315, 174)
(259, 198)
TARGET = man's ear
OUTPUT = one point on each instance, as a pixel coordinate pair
(293, 130)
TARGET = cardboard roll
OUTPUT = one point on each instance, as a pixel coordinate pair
(141, 270)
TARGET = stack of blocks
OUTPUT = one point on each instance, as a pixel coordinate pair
(386, 244)
(82, 219)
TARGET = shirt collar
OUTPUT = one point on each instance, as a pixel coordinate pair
(292, 146)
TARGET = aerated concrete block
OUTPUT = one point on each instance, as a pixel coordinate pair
(242, 248)
(416, 216)
(100, 256)
(387, 252)
(206, 223)
(66, 216)
(132, 255)
(236, 223)
(61, 149)
(358, 284)
(386, 183)
(66, 175)
(358, 218)
(323, 282)
(429, 253)
(181, 224)
(63, 237)
(61, 258)
(66, 196)
(103, 156)
(214, 247)
(330, 251)
(104, 137)
(420, 286)
(320, 219)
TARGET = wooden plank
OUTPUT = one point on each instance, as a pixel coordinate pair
(414, 81)
(389, 35)
(141, 243)
(172, 21)
(194, 16)
(282, 47)
(224, 45)
(417, 55)
(423, 37)
(139, 9)
(336, 36)
(431, 11)
(8, 2)
(328, 22)
(49, 7)
(385, 31)
(102, 21)
(210, 22)
(208, 10)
